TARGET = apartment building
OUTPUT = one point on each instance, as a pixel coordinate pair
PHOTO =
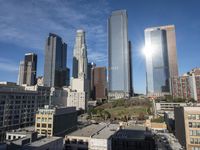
(187, 127)
(18, 105)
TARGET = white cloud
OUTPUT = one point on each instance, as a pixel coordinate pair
(28, 22)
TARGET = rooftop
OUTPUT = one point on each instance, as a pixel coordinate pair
(107, 131)
(42, 141)
(131, 132)
(87, 131)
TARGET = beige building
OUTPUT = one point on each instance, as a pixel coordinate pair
(187, 127)
(55, 121)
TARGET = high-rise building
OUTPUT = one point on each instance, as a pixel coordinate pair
(99, 83)
(55, 71)
(187, 127)
(119, 60)
(28, 70)
(79, 92)
(90, 76)
(131, 73)
(161, 61)
(20, 80)
(80, 61)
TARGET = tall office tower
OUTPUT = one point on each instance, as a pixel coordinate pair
(119, 61)
(99, 83)
(28, 69)
(21, 73)
(68, 77)
(80, 61)
(161, 59)
(55, 71)
(131, 73)
(157, 65)
(90, 75)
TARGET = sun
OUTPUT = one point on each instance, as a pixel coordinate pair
(148, 50)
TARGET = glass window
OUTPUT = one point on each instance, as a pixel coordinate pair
(192, 140)
(44, 125)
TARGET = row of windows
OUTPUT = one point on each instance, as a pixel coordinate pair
(44, 125)
(194, 124)
(195, 140)
(194, 132)
(195, 148)
(194, 117)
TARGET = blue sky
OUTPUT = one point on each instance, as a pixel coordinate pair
(25, 24)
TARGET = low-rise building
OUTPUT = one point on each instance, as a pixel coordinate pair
(161, 107)
(55, 121)
(93, 137)
(133, 137)
(187, 127)
(27, 138)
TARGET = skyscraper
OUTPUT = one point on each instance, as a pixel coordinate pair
(80, 61)
(55, 71)
(161, 61)
(28, 70)
(119, 59)
(79, 92)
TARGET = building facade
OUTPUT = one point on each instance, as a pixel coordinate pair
(18, 106)
(80, 61)
(161, 59)
(55, 121)
(99, 87)
(28, 70)
(186, 86)
(188, 118)
(55, 71)
(119, 59)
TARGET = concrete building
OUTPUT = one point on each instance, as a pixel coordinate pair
(187, 127)
(79, 91)
(18, 105)
(161, 59)
(28, 70)
(119, 59)
(55, 71)
(23, 139)
(93, 137)
(99, 83)
(80, 61)
(55, 121)
(161, 107)
(187, 86)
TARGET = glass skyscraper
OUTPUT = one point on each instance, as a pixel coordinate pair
(55, 71)
(28, 70)
(119, 59)
(161, 61)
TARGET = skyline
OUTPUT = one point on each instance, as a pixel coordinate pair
(25, 33)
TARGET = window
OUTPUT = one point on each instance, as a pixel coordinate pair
(49, 125)
(38, 125)
(44, 125)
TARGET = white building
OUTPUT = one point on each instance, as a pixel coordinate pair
(92, 137)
